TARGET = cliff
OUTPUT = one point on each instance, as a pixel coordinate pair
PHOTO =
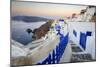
(42, 30)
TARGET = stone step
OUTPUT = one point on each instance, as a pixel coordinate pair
(81, 57)
(76, 49)
(73, 44)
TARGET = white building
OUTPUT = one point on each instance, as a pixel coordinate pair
(87, 14)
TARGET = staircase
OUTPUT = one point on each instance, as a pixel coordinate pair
(78, 54)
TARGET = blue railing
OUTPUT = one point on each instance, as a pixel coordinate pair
(83, 38)
(55, 56)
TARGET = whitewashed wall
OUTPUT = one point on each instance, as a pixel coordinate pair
(83, 27)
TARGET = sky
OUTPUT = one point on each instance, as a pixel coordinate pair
(44, 9)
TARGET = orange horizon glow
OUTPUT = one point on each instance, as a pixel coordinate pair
(38, 9)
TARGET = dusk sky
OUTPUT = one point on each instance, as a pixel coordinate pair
(44, 9)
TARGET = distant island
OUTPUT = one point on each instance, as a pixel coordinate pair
(29, 18)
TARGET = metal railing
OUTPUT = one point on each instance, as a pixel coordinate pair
(55, 56)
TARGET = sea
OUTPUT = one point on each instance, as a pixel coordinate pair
(19, 33)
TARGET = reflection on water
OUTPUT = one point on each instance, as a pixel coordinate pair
(19, 33)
